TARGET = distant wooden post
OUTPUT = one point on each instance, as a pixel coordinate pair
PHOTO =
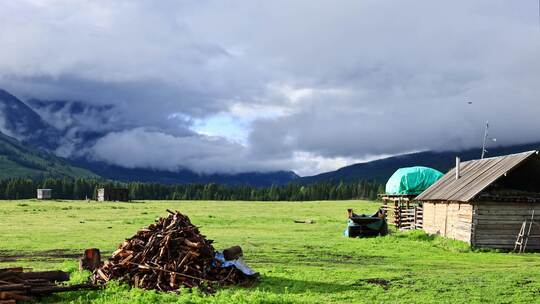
(396, 213)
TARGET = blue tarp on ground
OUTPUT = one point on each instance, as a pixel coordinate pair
(238, 264)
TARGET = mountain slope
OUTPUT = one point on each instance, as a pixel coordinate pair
(59, 127)
(20, 121)
(380, 170)
(17, 160)
(186, 177)
(80, 123)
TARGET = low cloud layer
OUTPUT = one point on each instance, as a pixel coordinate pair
(308, 86)
(156, 150)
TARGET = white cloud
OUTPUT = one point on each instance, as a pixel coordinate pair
(250, 112)
(308, 164)
(151, 149)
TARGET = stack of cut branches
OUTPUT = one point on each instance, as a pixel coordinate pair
(167, 255)
(17, 285)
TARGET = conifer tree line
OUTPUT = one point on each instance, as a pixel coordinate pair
(23, 188)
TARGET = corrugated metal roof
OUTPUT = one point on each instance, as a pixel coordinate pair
(475, 176)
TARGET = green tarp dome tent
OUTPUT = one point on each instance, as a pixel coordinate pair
(412, 181)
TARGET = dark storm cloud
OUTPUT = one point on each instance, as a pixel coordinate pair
(318, 83)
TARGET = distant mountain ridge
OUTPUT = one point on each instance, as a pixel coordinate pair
(29, 157)
(17, 160)
(20, 121)
(66, 117)
(34, 137)
(256, 179)
(380, 170)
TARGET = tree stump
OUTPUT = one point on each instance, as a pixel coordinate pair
(233, 253)
(91, 260)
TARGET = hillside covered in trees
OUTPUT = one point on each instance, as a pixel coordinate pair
(23, 188)
(18, 160)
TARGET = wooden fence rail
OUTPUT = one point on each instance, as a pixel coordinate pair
(404, 218)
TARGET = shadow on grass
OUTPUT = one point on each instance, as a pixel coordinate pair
(44, 255)
(312, 257)
(280, 285)
(436, 241)
(415, 235)
(319, 258)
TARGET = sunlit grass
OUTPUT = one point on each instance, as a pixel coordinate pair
(299, 263)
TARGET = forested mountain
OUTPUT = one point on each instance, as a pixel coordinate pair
(17, 160)
(20, 121)
(257, 179)
(24, 122)
(380, 170)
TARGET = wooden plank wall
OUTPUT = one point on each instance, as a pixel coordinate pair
(452, 220)
(498, 224)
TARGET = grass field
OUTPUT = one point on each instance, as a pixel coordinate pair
(299, 263)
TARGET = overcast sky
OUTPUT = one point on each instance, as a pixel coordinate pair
(310, 86)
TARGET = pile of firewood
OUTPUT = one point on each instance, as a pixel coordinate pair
(167, 255)
(17, 285)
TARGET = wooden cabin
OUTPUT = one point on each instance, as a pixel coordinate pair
(486, 202)
(113, 194)
(43, 194)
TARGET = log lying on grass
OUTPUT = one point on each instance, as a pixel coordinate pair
(17, 285)
(167, 255)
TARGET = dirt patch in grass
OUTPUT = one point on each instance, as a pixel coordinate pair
(53, 254)
(385, 284)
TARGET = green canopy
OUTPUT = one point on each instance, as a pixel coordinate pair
(413, 180)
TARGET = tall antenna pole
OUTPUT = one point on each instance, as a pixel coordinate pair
(484, 144)
(539, 14)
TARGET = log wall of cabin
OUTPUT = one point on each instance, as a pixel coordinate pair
(498, 224)
(452, 220)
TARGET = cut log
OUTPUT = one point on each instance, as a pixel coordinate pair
(14, 269)
(40, 291)
(12, 295)
(11, 287)
(54, 275)
(17, 285)
(91, 260)
(233, 253)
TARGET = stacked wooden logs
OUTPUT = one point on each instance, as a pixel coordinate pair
(167, 255)
(17, 285)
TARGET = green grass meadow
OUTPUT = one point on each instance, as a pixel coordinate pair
(298, 263)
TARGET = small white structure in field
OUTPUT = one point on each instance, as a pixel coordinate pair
(43, 194)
